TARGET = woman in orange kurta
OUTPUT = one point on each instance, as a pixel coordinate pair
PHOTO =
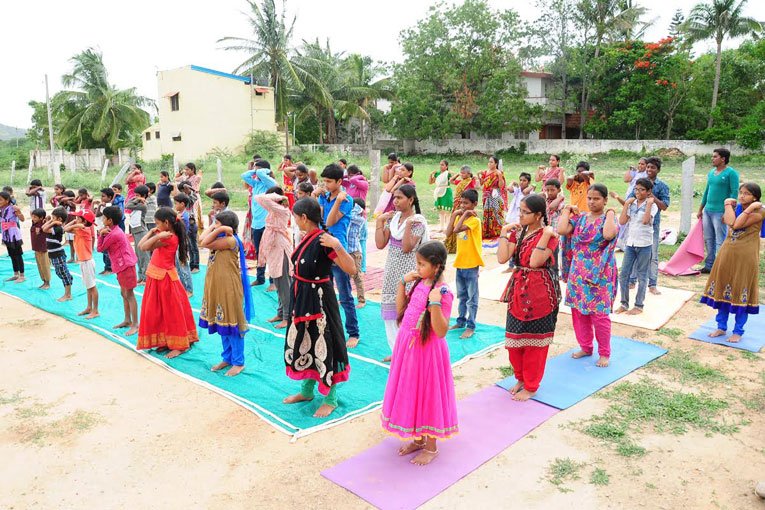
(166, 319)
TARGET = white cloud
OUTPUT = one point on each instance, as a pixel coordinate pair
(140, 37)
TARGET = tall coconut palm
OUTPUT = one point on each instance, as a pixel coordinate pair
(599, 19)
(94, 112)
(718, 20)
(270, 56)
(360, 77)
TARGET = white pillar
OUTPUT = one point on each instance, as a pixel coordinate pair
(374, 178)
(220, 170)
(103, 171)
(686, 194)
(29, 172)
(13, 170)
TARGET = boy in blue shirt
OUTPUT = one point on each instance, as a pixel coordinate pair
(261, 180)
(336, 208)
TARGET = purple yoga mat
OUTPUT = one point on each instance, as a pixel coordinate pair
(489, 421)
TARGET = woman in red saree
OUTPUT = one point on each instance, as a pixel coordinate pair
(494, 199)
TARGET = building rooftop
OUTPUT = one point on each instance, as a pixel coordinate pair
(243, 79)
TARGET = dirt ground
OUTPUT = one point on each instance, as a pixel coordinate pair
(87, 423)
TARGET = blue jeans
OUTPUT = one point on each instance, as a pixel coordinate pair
(193, 247)
(636, 260)
(343, 282)
(714, 235)
(467, 293)
(722, 321)
(233, 349)
(363, 241)
(257, 235)
(653, 266)
(107, 262)
(184, 274)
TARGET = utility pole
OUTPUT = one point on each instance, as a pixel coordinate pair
(51, 164)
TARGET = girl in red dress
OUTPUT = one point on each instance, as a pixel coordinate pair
(166, 319)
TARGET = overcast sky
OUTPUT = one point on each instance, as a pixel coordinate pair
(140, 37)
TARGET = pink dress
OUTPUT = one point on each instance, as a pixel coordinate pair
(276, 243)
(419, 397)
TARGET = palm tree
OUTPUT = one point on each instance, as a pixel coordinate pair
(94, 112)
(269, 55)
(360, 77)
(717, 20)
(601, 18)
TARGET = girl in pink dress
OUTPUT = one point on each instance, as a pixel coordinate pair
(419, 401)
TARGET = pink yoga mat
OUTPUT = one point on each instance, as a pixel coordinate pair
(690, 253)
(489, 421)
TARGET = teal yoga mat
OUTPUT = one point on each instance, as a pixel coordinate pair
(263, 384)
(568, 380)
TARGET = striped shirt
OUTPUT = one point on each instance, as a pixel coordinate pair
(37, 201)
(55, 242)
(354, 229)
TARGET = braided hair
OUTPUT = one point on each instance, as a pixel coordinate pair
(536, 204)
(435, 253)
(179, 228)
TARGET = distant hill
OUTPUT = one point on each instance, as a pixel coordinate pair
(9, 132)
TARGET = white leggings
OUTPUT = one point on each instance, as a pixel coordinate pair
(391, 331)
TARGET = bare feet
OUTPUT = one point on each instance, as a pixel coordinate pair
(12, 278)
(734, 338)
(276, 318)
(235, 370)
(44, 286)
(352, 342)
(467, 334)
(632, 286)
(173, 354)
(361, 305)
(621, 309)
(122, 325)
(602, 362)
(297, 397)
(425, 457)
(524, 395)
(581, 354)
(323, 411)
(635, 311)
(132, 331)
(716, 333)
(220, 366)
(21, 279)
(281, 325)
(84, 312)
(64, 298)
(654, 291)
(93, 315)
(515, 389)
(271, 288)
(455, 327)
(412, 447)
(386, 359)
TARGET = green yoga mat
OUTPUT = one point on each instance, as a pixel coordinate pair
(263, 384)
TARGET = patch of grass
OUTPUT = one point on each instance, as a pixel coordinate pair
(599, 477)
(750, 356)
(630, 449)
(36, 432)
(563, 470)
(688, 368)
(11, 399)
(506, 371)
(32, 411)
(673, 333)
(606, 430)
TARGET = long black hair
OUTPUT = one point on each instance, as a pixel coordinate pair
(179, 228)
(410, 192)
(309, 207)
(435, 253)
(536, 204)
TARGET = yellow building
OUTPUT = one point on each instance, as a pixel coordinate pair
(202, 109)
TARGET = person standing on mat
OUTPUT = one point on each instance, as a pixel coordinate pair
(54, 231)
(419, 402)
(466, 226)
(10, 216)
(722, 184)
(637, 214)
(167, 323)
(732, 286)
(314, 347)
(82, 226)
(532, 294)
(261, 180)
(592, 279)
(336, 209)
(402, 232)
(227, 306)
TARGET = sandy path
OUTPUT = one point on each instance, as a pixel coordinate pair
(87, 423)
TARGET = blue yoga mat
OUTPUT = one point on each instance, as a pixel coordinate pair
(263, 384)
(752, 341)
(568, 380)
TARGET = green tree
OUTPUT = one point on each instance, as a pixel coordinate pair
(94, 113)
(718, 20)
(459, 75)
(269, 55)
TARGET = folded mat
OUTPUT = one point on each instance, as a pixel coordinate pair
(263, 384)
(690, 253)
(489, 421)
(568, 380)
(752, 341)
